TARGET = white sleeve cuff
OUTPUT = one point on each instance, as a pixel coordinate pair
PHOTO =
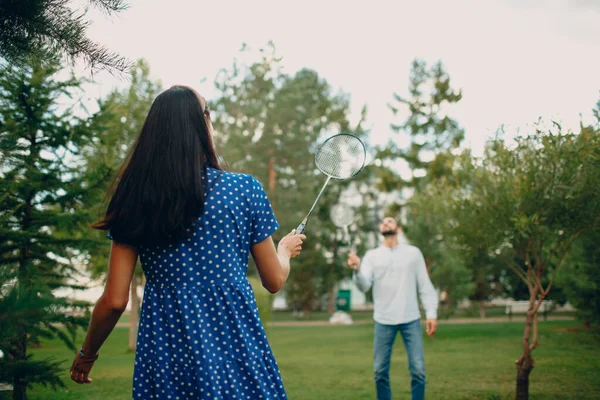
(431, 314)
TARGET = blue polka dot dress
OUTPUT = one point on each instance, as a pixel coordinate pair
(200, 335)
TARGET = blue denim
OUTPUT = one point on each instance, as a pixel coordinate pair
(385, 336)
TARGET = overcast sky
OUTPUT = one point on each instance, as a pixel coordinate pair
(515, 60)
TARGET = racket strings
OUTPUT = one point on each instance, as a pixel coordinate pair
(342, 215)
(341, 157)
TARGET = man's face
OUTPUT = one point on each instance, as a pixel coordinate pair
(388, 226)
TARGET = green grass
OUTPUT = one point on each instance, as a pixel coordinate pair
(334, 362)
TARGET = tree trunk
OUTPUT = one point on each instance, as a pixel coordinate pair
(523, 370)
(272, 174)
(331, 300)
(525, 362)
(306, 310)
(19, 392)
(482, 309)
(20, 381)
(135, 309)
(20, 351)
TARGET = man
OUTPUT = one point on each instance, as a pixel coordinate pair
(397, 272)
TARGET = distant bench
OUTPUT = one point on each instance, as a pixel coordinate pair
(522, 306)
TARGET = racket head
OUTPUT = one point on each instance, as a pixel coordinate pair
(341, 156)
(342, 215)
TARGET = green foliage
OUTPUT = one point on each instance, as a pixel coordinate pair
(29, 314)
(44, 187)
(42, 28)
(446, 262)
(433, 134)
(531, 200)
(44, 372)
(580, 277)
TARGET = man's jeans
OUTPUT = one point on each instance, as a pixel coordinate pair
(382, 352)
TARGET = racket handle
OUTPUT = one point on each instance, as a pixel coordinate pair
(300, 228)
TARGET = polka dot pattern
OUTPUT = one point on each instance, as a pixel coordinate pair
(200, 335)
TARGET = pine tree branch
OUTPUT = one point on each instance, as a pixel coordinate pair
(110, 6)
(53, 28)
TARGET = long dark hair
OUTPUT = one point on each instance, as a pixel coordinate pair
(159, 191)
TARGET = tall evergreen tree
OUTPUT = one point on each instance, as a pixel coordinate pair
(432, 132)
(43, 189)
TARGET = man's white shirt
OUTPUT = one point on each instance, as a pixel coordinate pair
(398, 275)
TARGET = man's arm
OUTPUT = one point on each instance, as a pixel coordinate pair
(427, 292)
(364, 277)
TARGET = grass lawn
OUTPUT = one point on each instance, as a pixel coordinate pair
(463, 362)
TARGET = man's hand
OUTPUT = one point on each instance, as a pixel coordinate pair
(353, 261)
(431, 326)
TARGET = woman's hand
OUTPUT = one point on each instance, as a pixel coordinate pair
(82, 365)
(290, 245)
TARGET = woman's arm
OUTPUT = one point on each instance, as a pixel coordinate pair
(274, 265)
(109, 307)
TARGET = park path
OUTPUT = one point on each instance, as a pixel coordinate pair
(492, 320)
(496, 320)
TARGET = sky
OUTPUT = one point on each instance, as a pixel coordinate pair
(515, 60)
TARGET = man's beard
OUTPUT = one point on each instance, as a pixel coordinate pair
(389, 233)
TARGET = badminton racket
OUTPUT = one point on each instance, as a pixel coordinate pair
(342, 216)
(340, 157)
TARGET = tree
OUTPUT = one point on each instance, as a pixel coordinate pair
(450, 271)
(269, 124)
(528, 202)
(42, 28)
(124, 113)
(487, 274)
(433, 134)
(43, 189)
(433, 137)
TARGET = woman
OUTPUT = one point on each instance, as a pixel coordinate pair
(193, 227)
